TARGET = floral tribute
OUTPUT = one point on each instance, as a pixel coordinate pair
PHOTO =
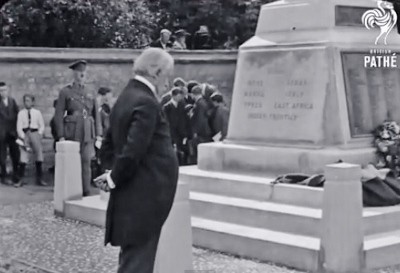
(387, 143)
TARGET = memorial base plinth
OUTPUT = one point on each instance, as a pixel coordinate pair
(68, 177)
(269, 160)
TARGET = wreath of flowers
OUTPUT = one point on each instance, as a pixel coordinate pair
(387, 143)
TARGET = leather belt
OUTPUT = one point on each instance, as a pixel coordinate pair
(29, 130)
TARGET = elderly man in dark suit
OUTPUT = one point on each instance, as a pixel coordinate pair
(164, 40)
(8, 134)
(138, 150)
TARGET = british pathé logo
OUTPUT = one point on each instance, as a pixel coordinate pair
(383, 17)
(380, 58)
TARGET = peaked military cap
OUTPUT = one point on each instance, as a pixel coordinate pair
(78, 65)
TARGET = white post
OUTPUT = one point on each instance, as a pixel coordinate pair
(174, 253)
(68, 174)
(342, 230)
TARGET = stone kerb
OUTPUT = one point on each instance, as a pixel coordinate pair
(341, 248)
(68, 174)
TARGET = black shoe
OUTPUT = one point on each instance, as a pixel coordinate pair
(40, 182)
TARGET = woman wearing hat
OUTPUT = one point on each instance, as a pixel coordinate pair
(180, 42)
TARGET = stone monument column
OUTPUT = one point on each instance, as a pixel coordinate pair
(67, 178)
(303, 97)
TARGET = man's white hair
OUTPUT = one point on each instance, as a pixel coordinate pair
(153, 62)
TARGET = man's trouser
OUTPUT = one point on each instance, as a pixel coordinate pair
(9, 142)
(87, 153)
(34, 141)
(139, 258)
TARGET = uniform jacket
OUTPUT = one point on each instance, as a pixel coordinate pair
(8, 118)
(77, 117)
(220, 121)
(178, 121)
(138, 150)
(200, 120)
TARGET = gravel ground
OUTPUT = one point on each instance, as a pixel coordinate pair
(30, 232)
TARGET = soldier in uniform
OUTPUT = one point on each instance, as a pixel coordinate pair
(77, 118)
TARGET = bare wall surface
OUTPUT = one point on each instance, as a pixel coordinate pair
(43, 72)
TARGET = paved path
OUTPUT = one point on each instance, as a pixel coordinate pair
(28, 193)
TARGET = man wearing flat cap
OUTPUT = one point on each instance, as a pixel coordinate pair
(180, 42)
(77, 118)
(164, 40)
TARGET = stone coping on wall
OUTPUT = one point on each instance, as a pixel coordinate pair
(108, 55)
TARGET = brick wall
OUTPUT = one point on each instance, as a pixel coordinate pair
(43, 72)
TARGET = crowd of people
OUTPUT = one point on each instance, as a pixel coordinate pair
(182, 40)
(21, 132)
(196, 113)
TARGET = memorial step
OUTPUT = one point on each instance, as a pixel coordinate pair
(250, 187)
(254, 213)
(379, 220)
(91, 210)
(266, 245)
(277, 159)
(382, 250)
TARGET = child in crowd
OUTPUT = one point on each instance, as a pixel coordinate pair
(30, 128)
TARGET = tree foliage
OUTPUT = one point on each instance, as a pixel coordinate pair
(235, 18)
(122, 23)
(76, 23)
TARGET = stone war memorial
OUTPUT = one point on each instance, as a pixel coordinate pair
(306, 96)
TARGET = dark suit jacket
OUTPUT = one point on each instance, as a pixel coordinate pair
(166, 98)
(8, 118)
(220, 121)
(137, 148)
(157, 43)
(178, 122)
(200, 120)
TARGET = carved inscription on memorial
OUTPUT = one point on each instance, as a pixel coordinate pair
(373, 93)
(279, 95)
(288, 106)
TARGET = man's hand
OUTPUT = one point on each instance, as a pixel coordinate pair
(101, 182)
(98, 142)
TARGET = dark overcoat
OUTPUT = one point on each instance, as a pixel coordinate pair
(8, 118)
(178, 122)
(138, 150)
(220, 121)
(200, 120)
